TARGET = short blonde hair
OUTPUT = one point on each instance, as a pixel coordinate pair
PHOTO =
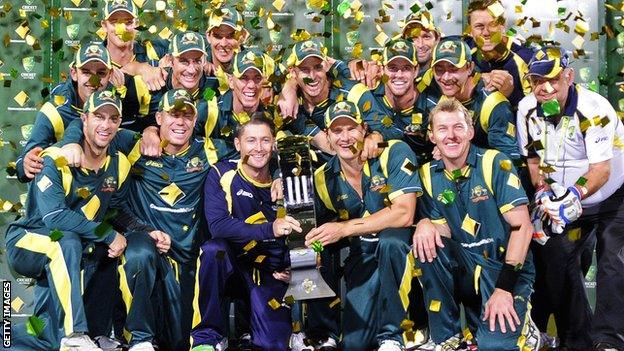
(449, 104)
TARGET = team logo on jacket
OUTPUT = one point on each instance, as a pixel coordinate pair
(195, 164)
(378, 183)
(478, 193)
(109, 184)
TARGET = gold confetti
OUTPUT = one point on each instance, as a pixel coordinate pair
(274, 304)
(407, 324)
(505, 165)
(281, 212)
(435, 305)
(381, 38)
(260, 258)
(59, 100)
(165, 33)
(335, 302)
(83, 192)
(496, 9)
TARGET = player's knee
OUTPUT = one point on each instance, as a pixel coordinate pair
(393, 242)
(71, 246)
(141, 252)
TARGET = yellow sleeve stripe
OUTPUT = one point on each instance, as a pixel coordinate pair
(55, 119)
(506, 208)
(385, 157)
(211, 151)
(124, 168)
(135, 153)
(66, 175)
(488, 166)
(226, 185)
(393, 195)
(143, 95)
(321, 187)
(491, 101)
(356, 93)
(151, 52)
(425, 177)
(257, 218)
(213, 114)
(91, 208)
(60, 275)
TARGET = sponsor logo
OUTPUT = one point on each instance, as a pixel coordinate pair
(242, 192)
(152, 163)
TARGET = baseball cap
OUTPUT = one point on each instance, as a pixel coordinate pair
(91, 52)
(113, 6)
(250, 59)
(304, 49)
(399, 48)
(424, 19)
(452, 49)
(341, 109)
(187, 41)
(548, 62)
(228, 16)
(176, 99)
(102, 98)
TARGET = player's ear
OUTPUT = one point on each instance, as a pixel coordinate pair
(159, 118)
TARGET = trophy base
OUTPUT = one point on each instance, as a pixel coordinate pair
(307, 284)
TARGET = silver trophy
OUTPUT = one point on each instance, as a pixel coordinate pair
(306, 281)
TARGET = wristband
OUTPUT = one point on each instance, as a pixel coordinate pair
(508, 277)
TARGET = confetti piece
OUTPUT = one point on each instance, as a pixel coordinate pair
(317, 246)
(581, 181)
(260, 259)
(551, 108)
(335, 302)
(34, 326)
(281, 212)
(274, 304)
(505, 165)
(435, 305)
(448, 197)
(55, 235)
(496, 9)
(407, 324)
(279, 4)
(289, 300)
(381, 38)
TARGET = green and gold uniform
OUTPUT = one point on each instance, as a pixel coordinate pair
(466, 269)
(377, 271)
(59, 240)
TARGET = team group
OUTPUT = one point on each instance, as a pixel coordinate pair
(458, 171)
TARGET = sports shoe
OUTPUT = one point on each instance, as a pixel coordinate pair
(78, 342)
(328, 345)
(108, 344)
(533, 336)
(605, 346)
(203, 348)
(454, 343)
(298, 342)
(142, 346)
(549, 342)
(390, 345)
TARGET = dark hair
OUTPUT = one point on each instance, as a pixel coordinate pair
(257, 118)
(480, 5)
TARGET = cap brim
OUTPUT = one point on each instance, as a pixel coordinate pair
(298, 62)
(413, 22)
(234, 26)
(109, 66)
(185, 103)
(247, 69)
(355, 120)
(178, 54)
(400, 56)
(553, 72)
(121, 10)
(95, 108)
(456, 64)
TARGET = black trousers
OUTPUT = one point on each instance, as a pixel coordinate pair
(561, 265)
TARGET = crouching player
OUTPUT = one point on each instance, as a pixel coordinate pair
(247, 252)
(473, 241)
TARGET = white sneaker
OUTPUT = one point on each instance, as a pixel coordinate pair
(390, 345)
(428, 346)
(297, 342)
(108, 344)
(222, 345)
(533, 336)
(549, 341)
(78, 342)
(454, 343)
(142, 346)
